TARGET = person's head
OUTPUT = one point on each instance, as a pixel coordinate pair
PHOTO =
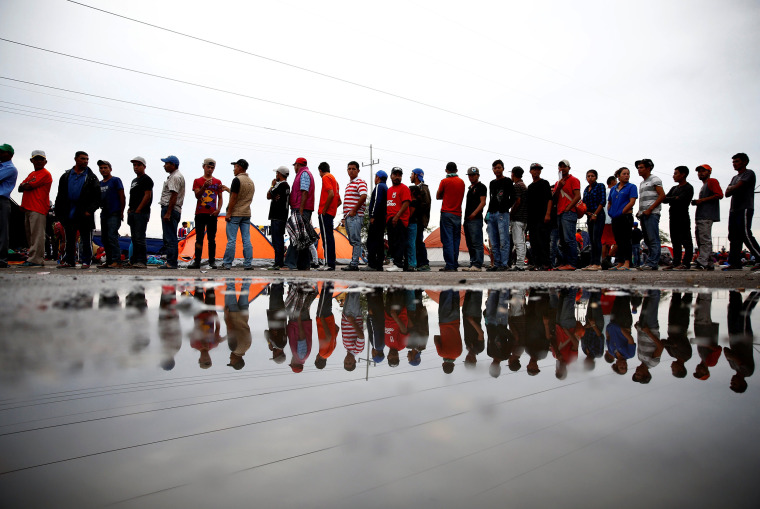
(105, 169)
(625, 175)
(278, 355)
(300, 163)
(414, 357)
(494, 369)
(517, 174)
(560, 370)
(239, 166)
(353, 170)
(81, 159)
(396, 175)
(612, 181)
(471, 360)
(281, 173)
(680, 173)
(6, 153)
(642, 374)
(740, 161)
(451, 167)
(535, 171)
(513, 363)
(320, 362)
(323, 168)
(473, 174)
(38, 159)
(702, 372)
(678, 369)
(564, 167)
(171, 164)
(349, 362)
(236, 361)
(498, 168)
(644, 166)
(209, 165)
(393, 358)
(448, 366)
(138, 164)
(591, 177)
(380, 177)
(532, 367)
(738, 384)
(589, 363)
(417, 177)
(620, 366)
(703, 172)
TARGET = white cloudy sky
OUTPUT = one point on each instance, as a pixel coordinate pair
(599, 83)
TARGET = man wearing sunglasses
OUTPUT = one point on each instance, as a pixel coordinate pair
(208, 192)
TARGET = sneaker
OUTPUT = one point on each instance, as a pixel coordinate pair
(733, 267)
(221, 267)
(273, 267)
(314, 265)
(446, 269)
(30, 264)
(394, 268)
(212, 266)
(250, 267)
(370, 269)
(755, 267)
(669, 267)
(423, 268)
(492, 269)
(350, 268)
(518, 269)
(195, 265)
(166, 266)
(4, 265)
(410, 269)
(503, 268)
(325, 269)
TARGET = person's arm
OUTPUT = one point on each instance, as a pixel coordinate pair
(170, 206)
(219, 204)
(516, 205)
(122, 202)
(304, 197)
(629, 207)
(199, 190)
(548, 216)
(144, 202)
(330, 195)
(358, 205)
(713, 186)
(271, 188)
(660, 198)
(28, 186)
(732, 189)
(479, 208)
(558, 188)
(404, 206)
(576, 199)
(439, 193)
(231, 206)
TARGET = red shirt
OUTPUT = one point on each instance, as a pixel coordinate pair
(208, 201)
(397, 195)
(394, 338)
(453, 193)
(450, 344)
(37, 199)
(568, 190)
(328, 183)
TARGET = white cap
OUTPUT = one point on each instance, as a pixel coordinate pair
(283, 169)
(138, 159)
(38, 153)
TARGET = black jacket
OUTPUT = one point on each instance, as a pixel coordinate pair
(89, 200)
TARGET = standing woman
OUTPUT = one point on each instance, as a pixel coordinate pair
(620, 205)
(595, 198)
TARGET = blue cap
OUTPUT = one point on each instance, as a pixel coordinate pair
(378, 358)
(381, 174)
(419, 173)
(416, 360)
(171, 159)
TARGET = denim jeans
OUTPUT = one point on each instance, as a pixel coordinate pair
(595, 231)
(498, 234)
(411, 248)
(170, 236)
(109, 235)
(567, 224)
(636, 255)
(277, 232)
(421, 254)
(556, 257)
(233, 225)
(650, 227)
(473, 235)
(451, 234)
(327, 232)
(354, 230)
(138, 224)
(518, 240)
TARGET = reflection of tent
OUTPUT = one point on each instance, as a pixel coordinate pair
(343, 249)
(435, 248)
(262, 248)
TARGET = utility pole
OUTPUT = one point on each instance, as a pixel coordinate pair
(371, 163)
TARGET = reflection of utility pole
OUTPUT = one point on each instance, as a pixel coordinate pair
(369, 347)
(371, 163)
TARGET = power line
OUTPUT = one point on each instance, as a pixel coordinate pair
(343, 80)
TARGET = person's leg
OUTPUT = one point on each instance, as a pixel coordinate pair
(375, 245)
(650, 226)
(167, 234)
(245, 237)
(354, 230)
(173, 251)
(304, 255)
(27, 231)
(703, 235)
(596, 232)
(400, 236)
(505, 244)
(139, 243)
(569, 222)
(70, 231)
(411, 248)
(38, 224)
(328, 238)
(422, 257)
(211, 229)
(200, 232)
(676, 241)
(447, 240)
(476, 236)
(5, 223)
(114, 222)
(85, 235)
(688, 244)
(229, 252)
(277, 231)
(621, 227)
(493, 236)
(518, 239)
(749, 239)
(468, 242)
(554, 254)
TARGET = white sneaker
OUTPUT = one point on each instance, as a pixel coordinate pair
(394, 268)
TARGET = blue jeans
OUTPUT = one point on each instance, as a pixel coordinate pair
(170, 236)
(595, 230)
(110, 237)
(473, 235)
(277, 232)
(567, 224)
(138, 224)
(650, 227)
(244, 225)
(555, 256)
(326, 231)
(411, 247)
(636, 255)
(498, 234)
(451, 234)
(354, 230)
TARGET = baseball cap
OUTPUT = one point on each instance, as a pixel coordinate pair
(396, 169)
(38, 153)
(283, 169)
(472, 170)
(564, 162)
(416, 360)
(171, 159)
(381, 174)
(7, 148)
(705, 166)
(378, 358)
(138, 159)
(419, 173)
(451, 167)
(102, 162)
(242, 162)
(301, 160)
(208, 160)
(536, 165)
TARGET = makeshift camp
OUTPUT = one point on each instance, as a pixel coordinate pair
(435, 249)
(262, 248)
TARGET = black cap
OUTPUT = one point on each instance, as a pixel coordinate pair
(396, 169)
(242, 162)
(451, 167)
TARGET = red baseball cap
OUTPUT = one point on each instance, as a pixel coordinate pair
(300, 160)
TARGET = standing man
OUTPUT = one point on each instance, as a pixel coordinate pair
(595, 198)
(567, 192)
(301, 203)
(423, 218)
(329, 199)
(539, 196)
(651, 196)
(353, 212)
(742, 194)
(75, 205)
(36, 204)
(451, 192)
(501, 198)
(679, 198)
(608, 238)
(378, 204)
(397, 219)
(208, 192)
(138, 213)
(519, 217)
(708, 212)
(278, 194)
(8, 177)
(111, 214)
(473, 219)
(172, 197)
(239, 216)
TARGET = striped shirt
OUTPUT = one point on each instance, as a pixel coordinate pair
(351, 340)
(648, 194)
(351, 196)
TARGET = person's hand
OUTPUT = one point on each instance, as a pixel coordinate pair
(394, 220)
(352, 213)
(274, 181)
(167, 216)
(647, 212)
(371, 220)
(547, 218)
(227, 218)
(87, 214)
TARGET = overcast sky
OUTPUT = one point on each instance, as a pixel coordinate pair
(598, 83)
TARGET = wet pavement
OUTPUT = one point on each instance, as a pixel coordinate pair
(202, 390)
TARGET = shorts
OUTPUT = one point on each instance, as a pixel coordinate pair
(608, 239)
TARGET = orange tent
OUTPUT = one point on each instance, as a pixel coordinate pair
(262, 248)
